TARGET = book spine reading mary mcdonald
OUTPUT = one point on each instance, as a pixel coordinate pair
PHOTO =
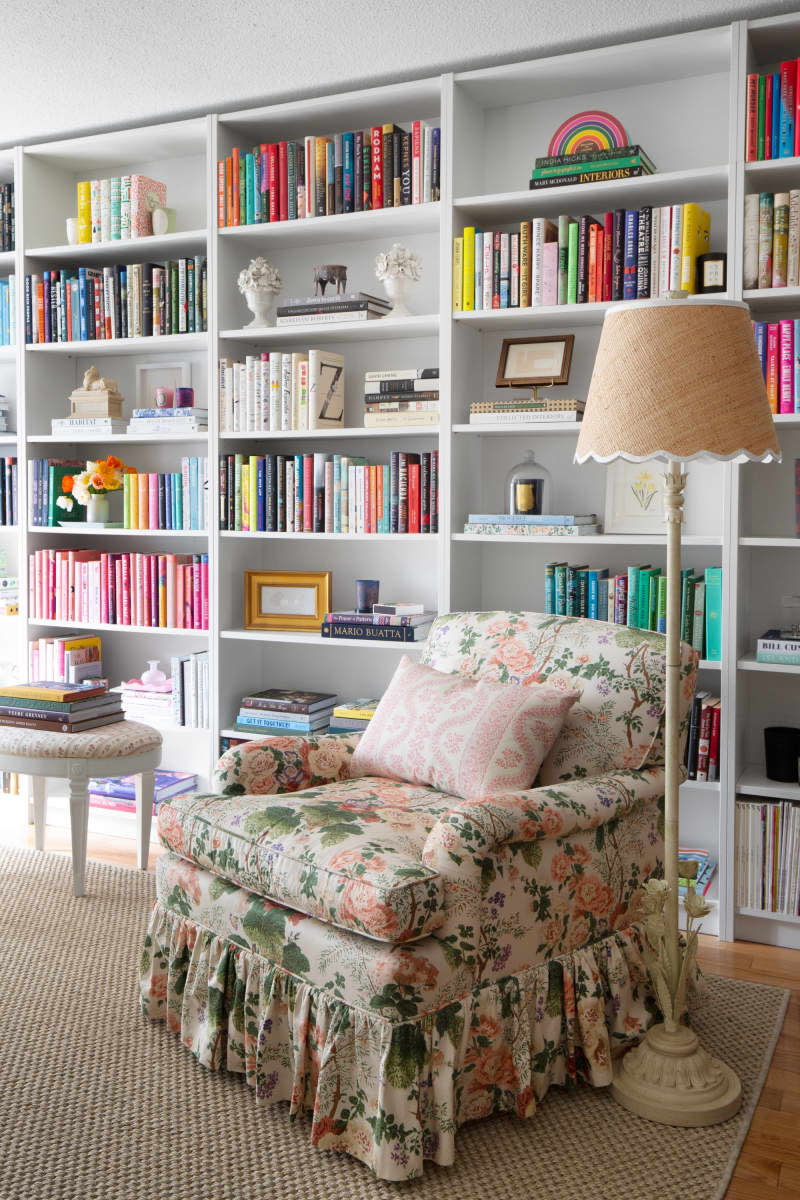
(166, 591)
(627, 254)
(329, 493)
(385, 166)
(84, 304)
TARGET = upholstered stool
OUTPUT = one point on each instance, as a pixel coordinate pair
(125, 748)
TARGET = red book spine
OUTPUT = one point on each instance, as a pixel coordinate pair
(413, 498)
(196, 601)
(229, 191)
(786, 383)
(204, 594)
(416, 162)
(179, 600)
(769, 149)
(40, 310)
(126, 589)
(713, 744)
(772, 366)
(703, 743)
(221, 192)
(235, 189)
(751, 117)
(608, 241)
(788, 101)
(283, 183)
(272, 176)
(151, 566)
(161, 562)
(376, 142)
(599, 264)
(593, 263)
(68, 305)
(103, 588)
(308, 493)
(797, 107)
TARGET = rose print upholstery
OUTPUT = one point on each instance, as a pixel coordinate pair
(395, 961)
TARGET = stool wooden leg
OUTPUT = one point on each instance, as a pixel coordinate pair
(79, 827)
(39, 792)
(144, 816)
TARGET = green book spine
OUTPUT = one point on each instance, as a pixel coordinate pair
(713, 606)
(250, 189)
(173, 297)
(550, 588)
(585, 168)
(126, 501)
(652, 612)
(661, 605)
(573, 605)
(687, 608)
(561, 589)
(632, 617)
(643, 598)
(572, 263)
(238, 463)
(563, 257)
(762, 98)
(698, 616)
(242, 191)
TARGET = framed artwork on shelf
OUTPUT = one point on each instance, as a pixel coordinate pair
(535, 361)
(287, 600)
(634, 498)
(152, 375)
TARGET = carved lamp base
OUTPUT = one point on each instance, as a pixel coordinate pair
(671, 1079)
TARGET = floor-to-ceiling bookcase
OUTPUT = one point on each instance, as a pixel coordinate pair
(682, 98)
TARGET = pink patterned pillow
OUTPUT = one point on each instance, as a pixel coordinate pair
(466, 737)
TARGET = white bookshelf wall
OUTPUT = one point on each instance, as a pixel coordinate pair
(682, 98)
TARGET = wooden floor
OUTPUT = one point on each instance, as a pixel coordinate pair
(769, 1165)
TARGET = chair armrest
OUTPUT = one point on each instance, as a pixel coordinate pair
(284, 764)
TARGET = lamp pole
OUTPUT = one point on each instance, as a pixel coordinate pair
(675, 482)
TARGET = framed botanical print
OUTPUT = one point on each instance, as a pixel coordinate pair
(288, 600)
(634, 498)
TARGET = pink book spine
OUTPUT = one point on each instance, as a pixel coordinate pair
(145, 617)
(773, 365)
(63, 588)
(104, 588)
(85, 592)
(179, 597)
(118, 619)
(94, 591)
(308, 493)
(33, 591)
(152, 501)
(171, 589)
(125, 591)
(51, 584)
(140, 572)
(61, 659)
(550, 273)
(70, 608)
(786, 367)
(187, 597)
(196, 603)
(152, 566)
(162, 589)
(204, 592)
(34, 660)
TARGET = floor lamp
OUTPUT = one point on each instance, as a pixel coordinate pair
(675, 380)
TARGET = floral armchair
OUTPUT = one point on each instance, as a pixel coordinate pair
(397, 961)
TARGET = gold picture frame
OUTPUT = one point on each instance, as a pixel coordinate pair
(554, 351)
(295, 601)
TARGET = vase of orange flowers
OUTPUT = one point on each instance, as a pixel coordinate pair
(93, 487)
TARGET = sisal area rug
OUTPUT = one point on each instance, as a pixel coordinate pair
(95, 1102)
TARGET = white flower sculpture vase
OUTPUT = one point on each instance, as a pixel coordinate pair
(260, 304)
(399, 270)
(399, 289)
(97, 510)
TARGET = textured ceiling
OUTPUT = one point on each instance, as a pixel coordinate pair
(72, 66)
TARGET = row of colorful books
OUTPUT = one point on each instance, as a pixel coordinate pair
(778, 345)
(637, 596)
(630, 254)
(120, 301)
(772, 129)
(8, 311)
(55, 707)
(771, 240)
(171, 500)
(384, 166)
(180, 699)
(386, 623)
(164, 591)
(701, 753)
(590, 166)
(329, 493)
(282, 711)
(118, 209)
(281, 391)
(119, 794)
(394, 398)
(8, 491)
(768, 856)
(71, 660)
(8, 217)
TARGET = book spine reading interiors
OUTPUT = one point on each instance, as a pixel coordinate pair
(628, 254)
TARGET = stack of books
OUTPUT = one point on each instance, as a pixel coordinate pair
(123, 301)
(191, 683)
(353, 716)
(522, 525)
(329, 493)
(74, 428)
(118, 209)
(66, 659)
(172, 500)
(8, 311)
(168, 422)
(706, 867)
(701, 757)
(150, 703)
(777, 646)
(9, 595)
(45, 478)
(281, 392)
(380, 167)
(7, 217)
(627, 254)
(59, 708)
(590, 166)
(276, 710)
(526, 410)
(778, 346)
(406, 396)
(8, 491)
(401, 622)
(768, 856)
(771, 240)
(119, 795)
(333, 308)
(771, 126)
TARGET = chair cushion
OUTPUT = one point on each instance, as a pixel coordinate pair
(348, 853)
(468, 737)
(109, 741)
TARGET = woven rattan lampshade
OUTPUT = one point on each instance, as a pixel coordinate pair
(677, 379)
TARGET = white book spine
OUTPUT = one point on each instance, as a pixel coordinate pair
(675, 248)
(249, 385)
(311, 176)
(263, 371)
(275, 372)
(286, 392)
(105, 210)
(664, 249)
(750, 258)
(235, 398)
(537, 253)
(125, 207)
(793, 261)
(94, 196)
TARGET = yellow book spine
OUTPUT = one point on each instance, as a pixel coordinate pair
(357, 714)
(84, 211)
(694, 241)
(525, 233)
(246, 497)
(134, 501)
(468, 285)
(252, 482)
(458, 273)
(81, 643)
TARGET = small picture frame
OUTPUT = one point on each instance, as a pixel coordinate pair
(634, 498)
(152, 375)
(287, 600)
(535, 361)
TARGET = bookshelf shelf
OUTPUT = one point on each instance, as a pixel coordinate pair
(768, 916)
(8, 354)
(165, 246)
(772, 299)
(548, 316)
(8, 439)
(151, 630)
(749, 663)
(381, 329)
(355, 431)
(786, 419)
(425, 538)
(709, 664)
(771, 543)
(315, 639)
(599, 539)
(562, 428)
(129, 439)
(8, 260)
(170, 343)
(753, 781)
(343, 227)
(77, 530)
(773, 174)
(702, 785)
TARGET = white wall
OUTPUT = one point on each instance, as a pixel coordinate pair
(69, 66)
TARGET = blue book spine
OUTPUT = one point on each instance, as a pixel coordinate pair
(298, 492)
(82, 304)
(193, 506)
(64, 290)
(169, 484)
(632, 615)
(592, 609)
(787, 128)
(348, 173)
(760, 334)
(776, 115)
(796, 381)
(179, 500)
(250, 189)
(602, 595)
(550, 589)
(261, 484)
(630, 254)
(277, 723)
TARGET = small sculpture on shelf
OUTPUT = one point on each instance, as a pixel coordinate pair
(332, 273)
(528, 487)
(259, 282)
(399, 270)
(98, 397)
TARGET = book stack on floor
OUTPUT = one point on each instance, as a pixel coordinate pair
(380, 167)
(523, 525)
(526, 410)
(172, 500)
(590, 166)
(768, 856)
(8, 311)
(772, 129)
(9, 593)
(66, 659)
(329, 493)
(778, 346)
(56, 707)
(627, 254)
(401, 622)
(332, 309)
(123, 301)
(405, 396)
(775, 646)
(119, 795)
(706, 868)
(277, 710)
(281, 392)
(637, 596)
(168, 422)
(701, 757)
(8, 491)
(8, 220)
(771, 240)
(118, 209)
(353, 716)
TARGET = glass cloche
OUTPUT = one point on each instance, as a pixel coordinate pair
(529, 488)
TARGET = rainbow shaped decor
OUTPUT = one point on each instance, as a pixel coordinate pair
(590, 130)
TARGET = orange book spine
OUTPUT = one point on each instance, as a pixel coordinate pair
(592, 263)
(162, 590)
(599, 263)
(143, 502)
(171, 590)
(235, 189)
